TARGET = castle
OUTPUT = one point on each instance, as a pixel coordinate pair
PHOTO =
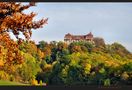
(75, 38)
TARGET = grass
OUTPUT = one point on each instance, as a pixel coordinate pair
(8, 83)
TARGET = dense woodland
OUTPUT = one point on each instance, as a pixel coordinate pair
(79, 63)
(57, 63)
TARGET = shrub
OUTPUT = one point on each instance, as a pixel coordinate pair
(34, 82)
(12, 78)
(4, 75)
(41, 83)
(124, 76)
(107, 82)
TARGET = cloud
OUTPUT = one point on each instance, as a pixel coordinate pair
(112, 21)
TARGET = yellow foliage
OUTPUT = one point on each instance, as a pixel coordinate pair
(124, 76)
(34, 82)
(47, 67)
(1, 63)
(87, 68)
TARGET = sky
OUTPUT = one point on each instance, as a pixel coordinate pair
(111, 21)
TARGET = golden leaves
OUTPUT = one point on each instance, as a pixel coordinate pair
(1, 63)
(12, 18)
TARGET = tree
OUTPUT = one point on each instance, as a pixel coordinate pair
(107, 82)
(13, 19)
(119, 49)
(127, 67)
(73, 48)
(42, 45)
(29, 68)
(124, 76)
(99, 42)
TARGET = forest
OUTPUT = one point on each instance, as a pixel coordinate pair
(79, 63)
(57, 63)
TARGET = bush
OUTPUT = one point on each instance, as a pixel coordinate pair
(12, 78)
(41, 83)
(4, 75)
(29, 68)
(107, 82)
(124, 76)
(34, 82)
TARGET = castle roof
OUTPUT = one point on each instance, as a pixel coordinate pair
(88, 36)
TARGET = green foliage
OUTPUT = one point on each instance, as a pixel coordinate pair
(42, 45)
(107, 82)
(127, 67)
(81, 47)
(29, 68)
(41, 83)
(119, 49)
(102, 71)
(79, 63)
(58, 63)
(9, 83)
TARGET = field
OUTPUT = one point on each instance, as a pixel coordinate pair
(2, 82)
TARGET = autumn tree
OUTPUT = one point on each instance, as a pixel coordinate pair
(13, 19)
(74, 47)
(119, 49)
(42, 45)
(31, 48)
(99, 42)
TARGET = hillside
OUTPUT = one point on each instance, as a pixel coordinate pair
(77, 63)
(57, 63)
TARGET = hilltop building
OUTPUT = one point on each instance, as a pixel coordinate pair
(75, 38)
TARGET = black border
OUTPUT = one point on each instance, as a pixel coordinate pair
(67, 0)
(65, 88)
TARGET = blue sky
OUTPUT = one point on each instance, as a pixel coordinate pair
(111, 21)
